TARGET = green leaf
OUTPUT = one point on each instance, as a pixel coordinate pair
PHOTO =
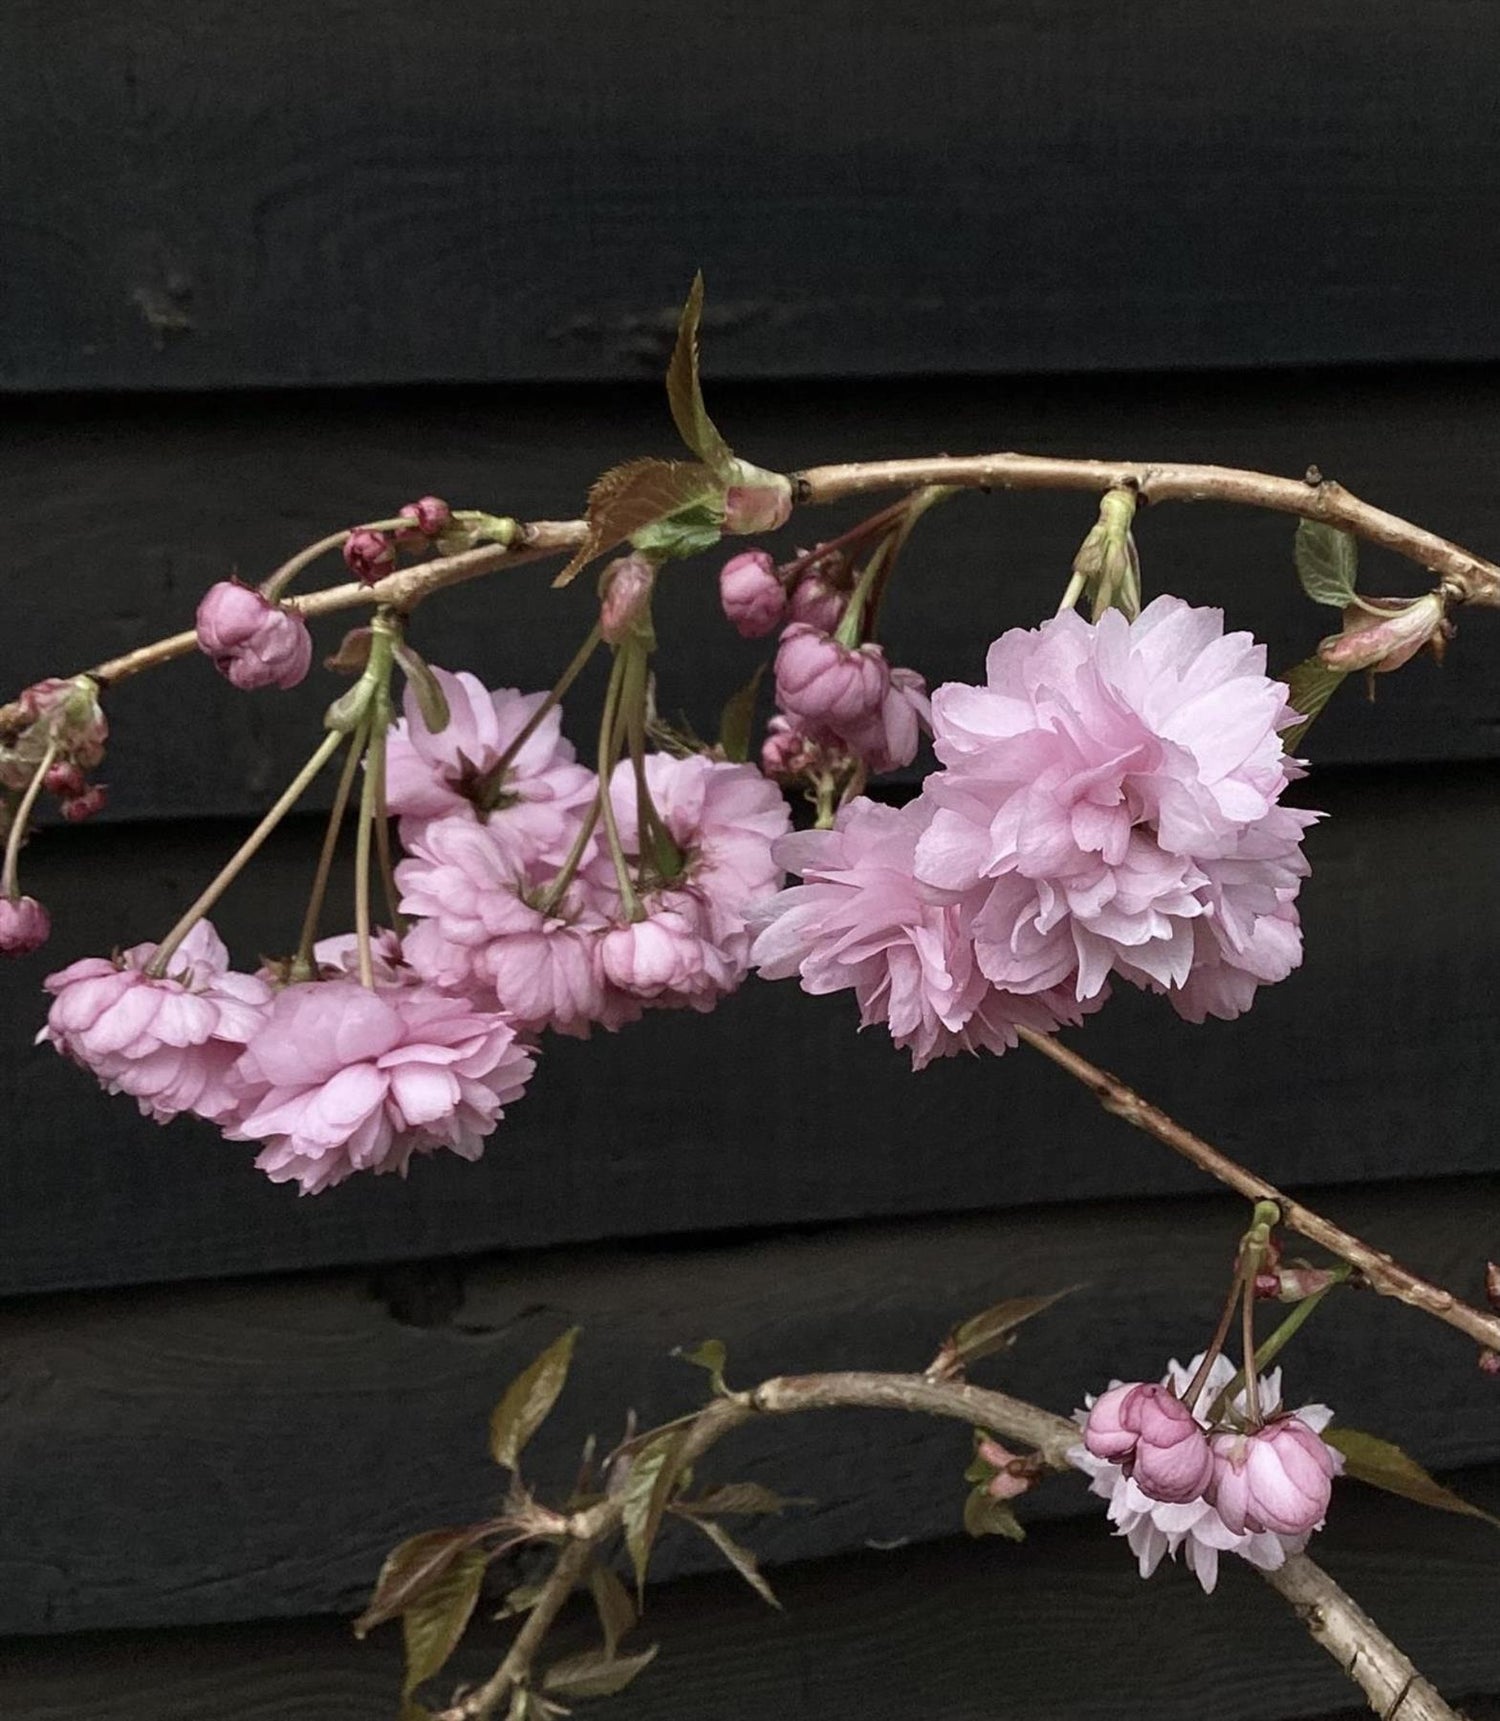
(654, 1472)
(432, 702)
(738, 1499)
(435, 1621)
(1382, 1464)
(627, 499)
(522, 1599)
(528, 1399)
(1326, 560)
(710, 1355)
(1310, 685)
(688, 532)
(615, 1608)
(413, 1567)
(685, 392)
(986, 1516)
(993, 1330)
(743, 1561)
(737, 720)
(596, 1673)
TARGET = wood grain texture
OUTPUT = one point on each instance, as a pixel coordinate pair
(776, 1112)
(123, 513)
(207, 194)
(247, 1450)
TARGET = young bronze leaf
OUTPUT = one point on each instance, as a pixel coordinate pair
(434, 1622)
(743, 1561)
(739, 1499)
(654, 1472)
(737, 719)
(412, 1567)
(615, 1608)
(1310, 685)
(628, 497)
(1326, 563)
(685, 391)
(528, 1400)
(985, 1516)
(1382, 1464)
(595, 1673)
(994, 1330)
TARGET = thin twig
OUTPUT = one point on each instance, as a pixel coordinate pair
(1382, 1273)
(1334, 1620)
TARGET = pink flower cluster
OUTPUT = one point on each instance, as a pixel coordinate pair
(482, 868)
(331, 1077)
(840, 706)
(253, 641)
(1176, 1483)
(1109, 804)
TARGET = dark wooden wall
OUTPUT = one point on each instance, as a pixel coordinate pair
(272, 269)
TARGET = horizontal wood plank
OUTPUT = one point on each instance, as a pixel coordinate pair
(1058, 1630)
(248, 1450)
(200, 193)
(1376, 1060)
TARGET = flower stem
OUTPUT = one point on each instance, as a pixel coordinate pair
(371, 813)
(1072, 593)
(1272, 1347)
(1247, 1339)
(558, 889)
(651, 827)
(608, 750)
(1215, 1344)
(302, 963)
(383, 835)
(489, 790)
(10, 886)
(246, 852)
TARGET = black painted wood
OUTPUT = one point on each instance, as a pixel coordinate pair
(248, 1450)
(1374, 1061)
(120, 514)
(208, 194)
(1058, 1630)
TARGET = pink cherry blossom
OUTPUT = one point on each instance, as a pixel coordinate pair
(1171, 1460)
(817, 602)
(826, 684)
(170, 1043)
(1104, 1432)
(672, 958)
(888, 738)
(1277, 1478)
(751, 595)
(253, 642)
(1109, 787)
(1193, 1528)
(24, 925)
(344, 1079)
(540, 802)
(860, 921)
(483, 929)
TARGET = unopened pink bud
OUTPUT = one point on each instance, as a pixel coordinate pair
(369, 555)
(1172, 1460)
(430, 514)
(1489, 1361)
(253, 642)
(1279, 1478)
(24, 925)
(757, 507)
(64, 779)
(1492, 1283)
(824, 682)
(77, 808)
(625, 598)
(786, 752)
(1297, 1282)
(1012, 1472)
(1384, 641)
(1104, 1434)
(752, 596)
(817, 602)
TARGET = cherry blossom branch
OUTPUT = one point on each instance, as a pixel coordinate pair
(1387, 1677)
(1467, 578)
(1382, 1273)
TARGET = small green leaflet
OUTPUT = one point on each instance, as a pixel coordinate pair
(615, 1608)
(627, 499)
(743, 1561)
(528, 1400)
(432, 702)
(411, 1568)
(985, 1516)
(654, 1472)
(685, 391)
(738, 1499)
(1326, 563)
(737, 720)
(434, 1623)
(994, 1330)
(1382, 1464)
(595, 1673)
(1310, 685)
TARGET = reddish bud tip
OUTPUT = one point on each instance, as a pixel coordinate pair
(369, 555)
(65, 779)
(1492, 1283)
(77, 808)
(431, 515)
(1489, 1362)
(625, 598)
